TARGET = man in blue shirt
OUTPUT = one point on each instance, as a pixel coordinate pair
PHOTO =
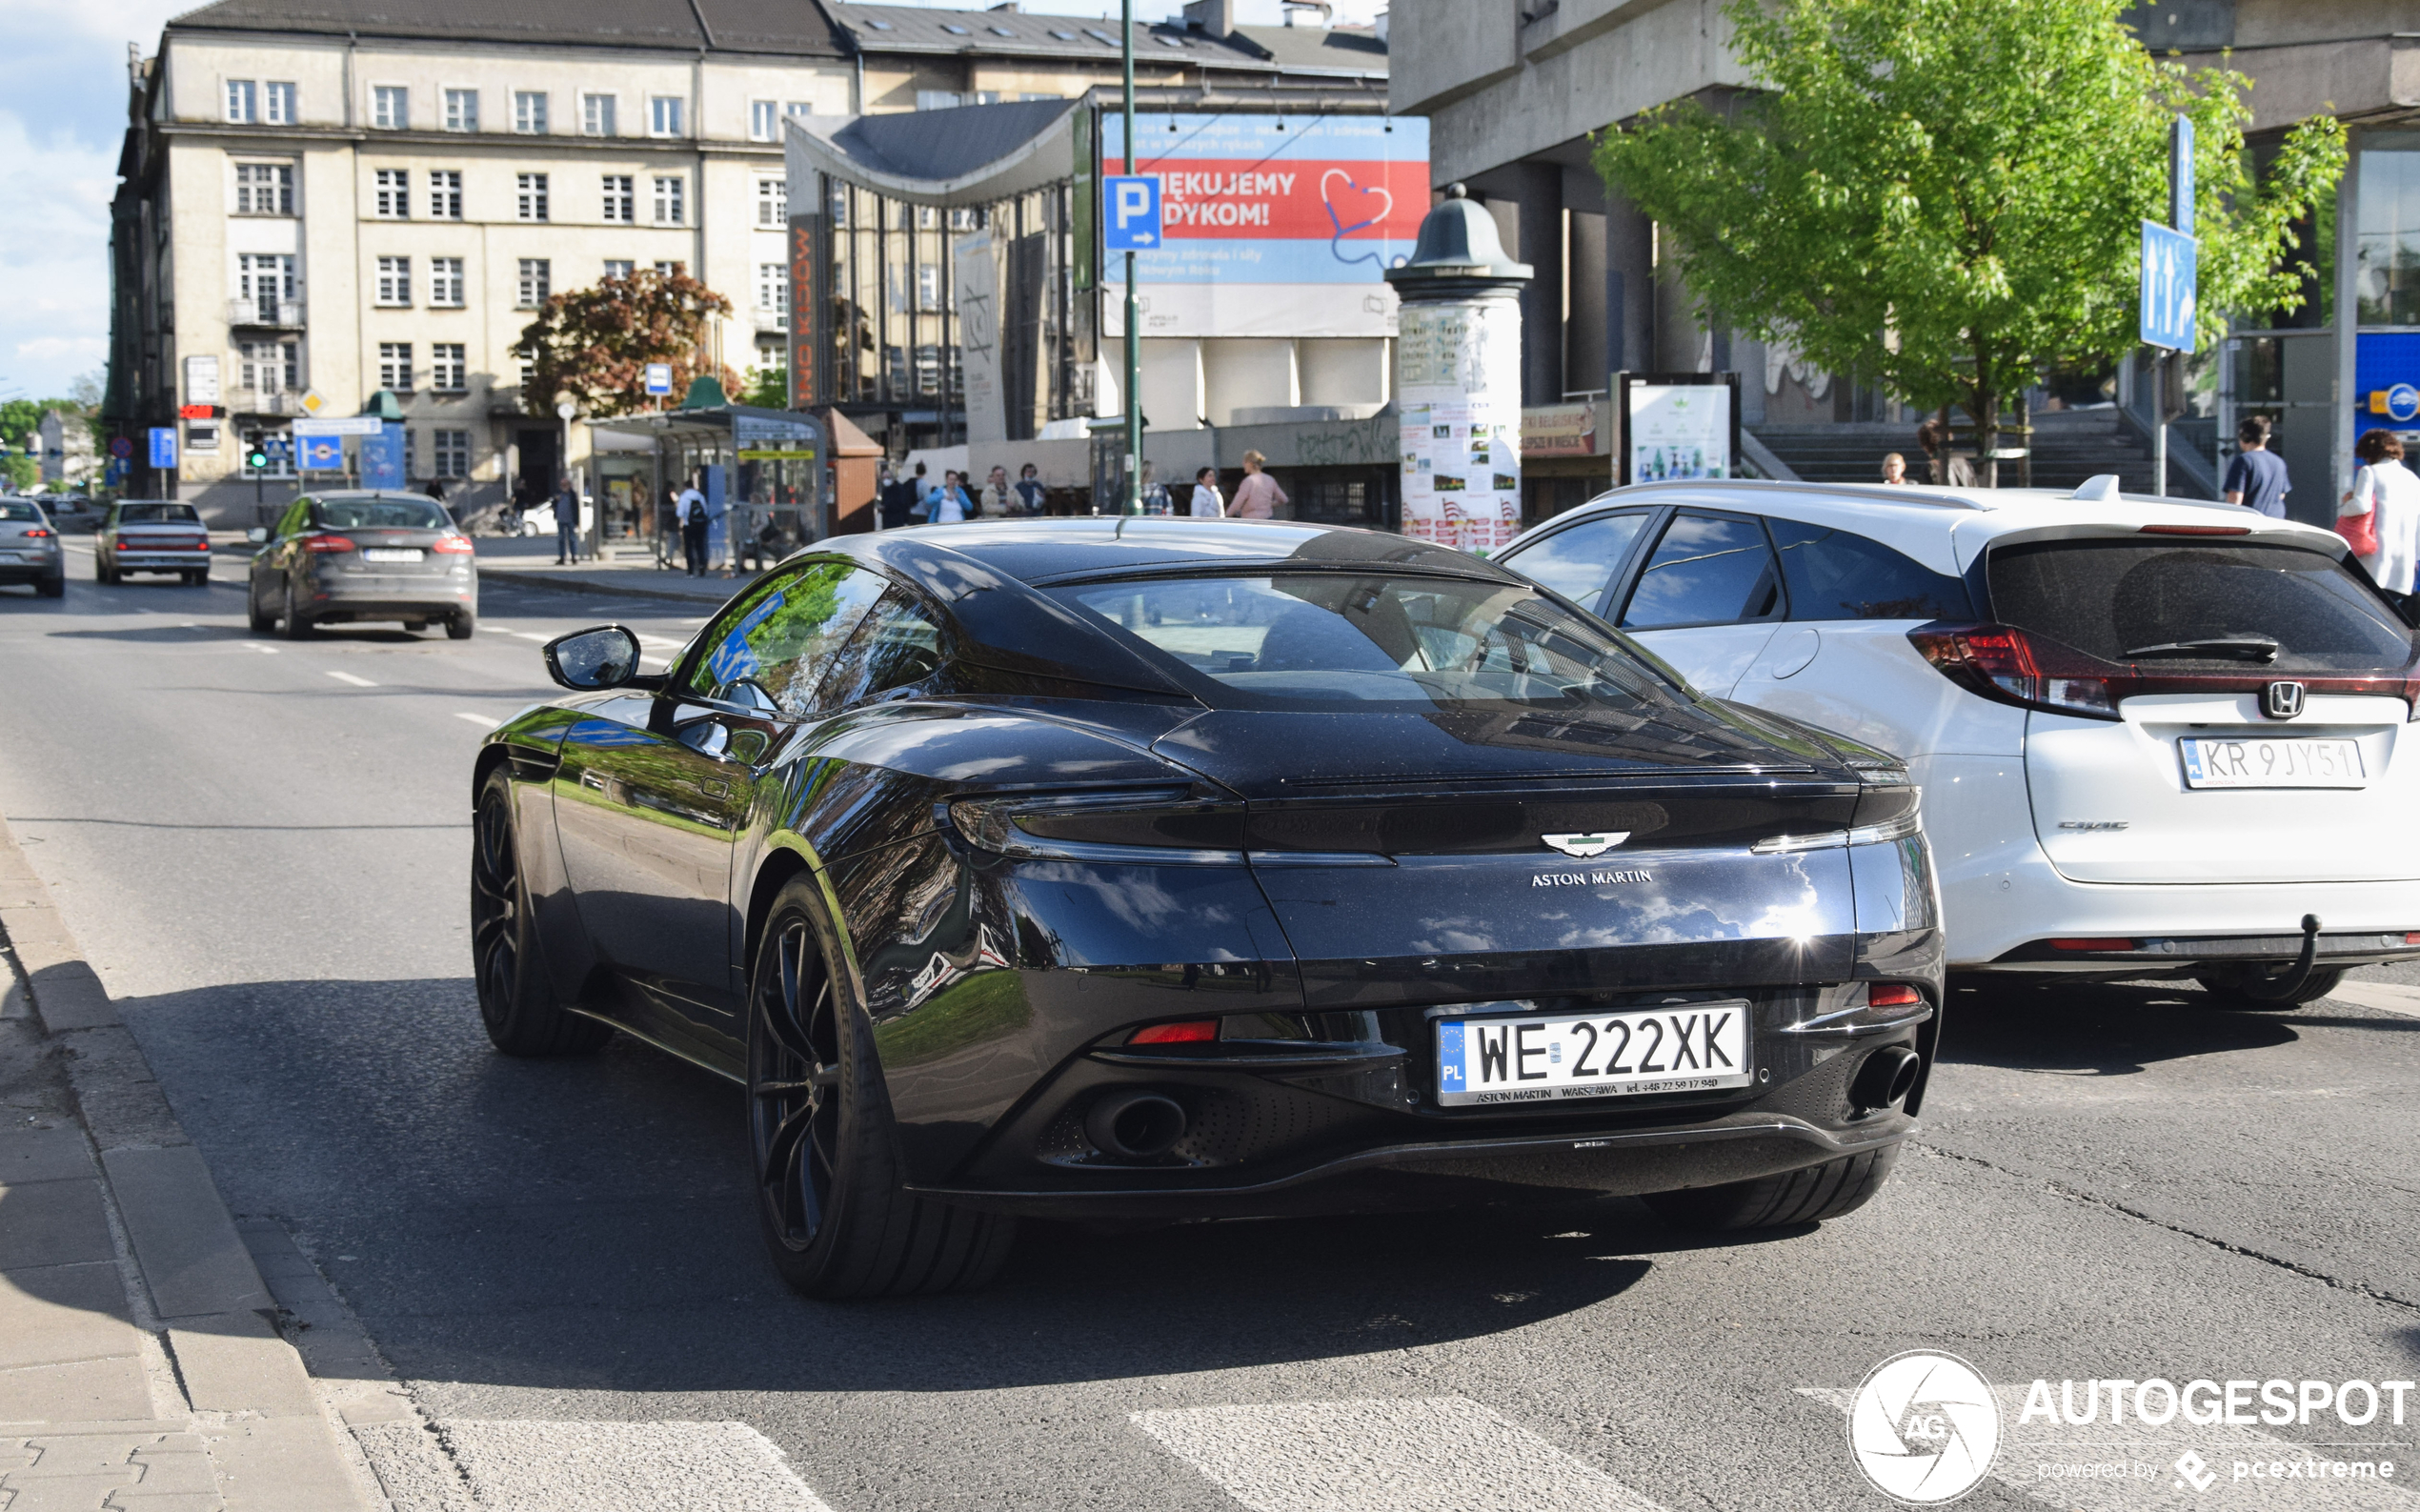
(2256, 479)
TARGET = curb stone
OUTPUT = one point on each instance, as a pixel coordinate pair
(236, 1422)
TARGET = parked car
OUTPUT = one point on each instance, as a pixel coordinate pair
(151, 536)
(361, 555)
(2155, 738)
(30, 551)
(1110, 868)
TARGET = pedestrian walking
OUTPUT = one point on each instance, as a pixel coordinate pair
(2382, 512)
(1942, 467)
(1154, 493)
(898, 500)
(1207, 505)
(1894, 470)
(999, 499)
(2256, 479)
(1257, 497)
(950, 503)
(1030, 491)
(690, 512)
(566, 522)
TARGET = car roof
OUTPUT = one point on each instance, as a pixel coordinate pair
(1947, 529)
(1045, 549)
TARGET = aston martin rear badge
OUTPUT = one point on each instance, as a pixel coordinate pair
(1585, 846)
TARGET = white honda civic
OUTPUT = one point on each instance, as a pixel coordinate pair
(2155, 737)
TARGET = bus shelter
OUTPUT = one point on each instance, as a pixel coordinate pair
(766, 475)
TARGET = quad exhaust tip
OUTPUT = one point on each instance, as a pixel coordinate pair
(1135, 1126)
(1885, 1078)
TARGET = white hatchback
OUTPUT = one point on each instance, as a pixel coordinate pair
(2155, 737)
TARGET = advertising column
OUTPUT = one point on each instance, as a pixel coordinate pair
(1458, 380)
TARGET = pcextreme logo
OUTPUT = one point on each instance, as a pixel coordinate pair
(1924, 1427)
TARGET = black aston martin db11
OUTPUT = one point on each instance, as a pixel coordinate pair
(1104, 869)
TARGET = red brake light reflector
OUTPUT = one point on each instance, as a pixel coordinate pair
(1891, 995)
(2195, 530)
(37, 534)
(2095, 944)
(455, 545)
(1193, 1030)
(2411, 940)
(327, 543)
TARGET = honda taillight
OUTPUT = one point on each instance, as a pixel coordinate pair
(2004, 663)
(452, 545)
(327, 543)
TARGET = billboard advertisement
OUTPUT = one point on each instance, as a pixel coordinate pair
(1272, 224)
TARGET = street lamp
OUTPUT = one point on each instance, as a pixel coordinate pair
(1134, 340)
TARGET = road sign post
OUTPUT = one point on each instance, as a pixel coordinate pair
(1134, 337)
(2170, 281)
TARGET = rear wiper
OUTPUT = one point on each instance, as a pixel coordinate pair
(2218, 648)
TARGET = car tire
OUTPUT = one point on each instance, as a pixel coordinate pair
(296, 627)
(53, 586)
(2241, 987)
(102, 574)
(831, 1195)
(262, 620)
(1809, 1196)
(197, 579)
(516, 1002)
(461, 625)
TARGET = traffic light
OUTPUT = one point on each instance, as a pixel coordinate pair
(256, 456)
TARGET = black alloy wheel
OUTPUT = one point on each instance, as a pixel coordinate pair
(830, 1191)
(523, 1015)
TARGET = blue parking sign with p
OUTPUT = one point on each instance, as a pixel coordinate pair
(1131, 202)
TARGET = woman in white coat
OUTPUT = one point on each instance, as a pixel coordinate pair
(2389, 493)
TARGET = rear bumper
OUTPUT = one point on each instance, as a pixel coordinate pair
(159, 561)
(33, 572)
(332, 598)
(2153, 956)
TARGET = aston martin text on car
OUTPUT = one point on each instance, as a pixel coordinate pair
(1109, 869)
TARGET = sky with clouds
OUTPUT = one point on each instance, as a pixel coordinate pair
(63, 92)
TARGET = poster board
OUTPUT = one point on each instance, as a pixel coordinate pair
(1676, 425)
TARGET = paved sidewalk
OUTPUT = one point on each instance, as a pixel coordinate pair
(531, 562)
(141, 1368)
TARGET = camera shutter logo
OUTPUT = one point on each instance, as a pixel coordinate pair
(1924, 1427)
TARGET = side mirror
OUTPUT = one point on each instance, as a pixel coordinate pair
(588, 661)
(258, 535)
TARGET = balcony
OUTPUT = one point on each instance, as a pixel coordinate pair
(264, 401)
(265, 314)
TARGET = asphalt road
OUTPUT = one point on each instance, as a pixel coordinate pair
(262, 845)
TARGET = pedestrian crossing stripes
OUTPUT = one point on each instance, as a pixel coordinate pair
(535, 1465)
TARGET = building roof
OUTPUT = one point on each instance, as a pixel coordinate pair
(975, 154)
(1010, 33)
(792, 27)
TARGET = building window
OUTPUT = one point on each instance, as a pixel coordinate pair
(928, 286)
(265, 281)
(927, 217)
(763, 120)
(2387, 242)
(269, 367)
(453, 449)
(390, 107)
(963, 218)
(264, 188)
(664, 114)
(669, 270)
(621, 201)
(243, 101)
(619, 267)
(672, 201)
(529, 112)
(538, 281)
(530, 197)
(394, 366)
(445, 282)
(445, 193)
(395, 280)
(773, 201)
(461, 110)
(596, 115)
(935, 99)
(277, 104)
(773, 289)
(449, 372)
(839, 211)
(390, 193)
(799, 107)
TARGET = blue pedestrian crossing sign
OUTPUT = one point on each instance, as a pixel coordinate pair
(1131, 203)
(2168, 273)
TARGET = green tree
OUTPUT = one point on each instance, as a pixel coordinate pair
(1944, 197)
(20, 422)
(594, 344)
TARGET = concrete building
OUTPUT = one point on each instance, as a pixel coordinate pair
(1512, 92)
(331, 197)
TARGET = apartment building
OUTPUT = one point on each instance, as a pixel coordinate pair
(322, 199)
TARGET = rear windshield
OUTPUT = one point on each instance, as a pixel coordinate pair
(383, 513)
(1343, 640)
(157, 515)
(2198, 605)
(18, 510)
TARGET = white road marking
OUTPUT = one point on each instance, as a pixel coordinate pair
(254, 645)
(539, 1466)
(2390, 996)
(529, 634)
(347, 676)
(1383, 1456)
(479, 720)
(2049, 1463)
